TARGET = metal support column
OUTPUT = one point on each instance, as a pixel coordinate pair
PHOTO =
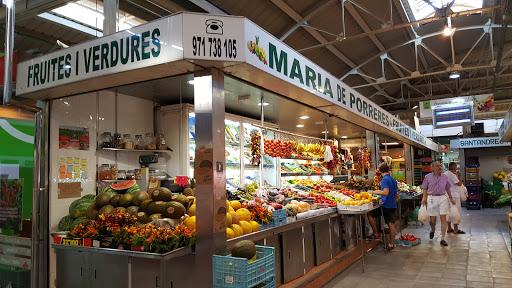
(109, 14)
(462, 159)
(409, 164)
(209, 171)
(374, 152)
(9, 48)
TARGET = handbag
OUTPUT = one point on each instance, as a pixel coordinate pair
(463, 193)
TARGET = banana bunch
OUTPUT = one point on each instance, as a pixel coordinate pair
(310, 150)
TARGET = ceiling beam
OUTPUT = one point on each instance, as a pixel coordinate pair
(298, 18)
(25, 9)
(208, 7)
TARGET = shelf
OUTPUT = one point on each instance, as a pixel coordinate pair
(286, 174)
(127, 150)
(305, 158)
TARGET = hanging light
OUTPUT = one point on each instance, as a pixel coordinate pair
(454, 75)
(448, 30)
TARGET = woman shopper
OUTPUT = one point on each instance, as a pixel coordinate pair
(436, 189)
(388, 188)
(454, 176)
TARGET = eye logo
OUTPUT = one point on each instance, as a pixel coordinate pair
(258, 51)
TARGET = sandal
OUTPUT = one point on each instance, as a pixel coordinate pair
(460, 232)
(450, 231)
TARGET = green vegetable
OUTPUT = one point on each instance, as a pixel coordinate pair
(504, 199)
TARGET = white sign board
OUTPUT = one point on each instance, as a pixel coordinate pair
(468, 143)
(274, 57)
(146, 45)
(505, 132)
(213, 37)
(481, 104)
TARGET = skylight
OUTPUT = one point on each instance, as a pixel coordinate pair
(88, 17)
(422, 10)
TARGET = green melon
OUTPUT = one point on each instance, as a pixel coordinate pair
(132, 210)
(126, 200)
(144, 205)
(81, 209)
(161, 194)
(244, 249)
(107, 209)
(140, 197)
(89, 198)
(173, 210)
(66, 223)
(114, 201)
(181, 199)
(155, 207)
(92, 212)
(142, 217)
(155, 216)
(109, 191)
(134, 189)
(73, 205)
(102, 199)
(120, 209)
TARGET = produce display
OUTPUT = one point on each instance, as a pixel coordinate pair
(409, 190)
(409, 237)
(277, 148)
(255, 148)
(331, 165)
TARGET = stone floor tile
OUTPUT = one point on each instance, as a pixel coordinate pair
(473, 284)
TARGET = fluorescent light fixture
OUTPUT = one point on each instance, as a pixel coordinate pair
(304, 117)
(453, 122)
(451, 150)
(453, 111)
(264, 104)
(325, 132)
(457, 100)
(300, 126)
(454, 75)
(415, 106)
(344, 137)
(191, 82)
(392, 143)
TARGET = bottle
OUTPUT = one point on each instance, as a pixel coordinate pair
(106, 140)
(128, 142)
(139, 143)
(105, 172)
(160, 142)
(150, 141)
(113, 171)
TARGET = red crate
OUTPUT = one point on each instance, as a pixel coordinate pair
(474, 197)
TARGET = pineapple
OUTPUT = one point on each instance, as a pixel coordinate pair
(190, 189)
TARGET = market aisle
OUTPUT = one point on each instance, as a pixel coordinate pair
(480, 258)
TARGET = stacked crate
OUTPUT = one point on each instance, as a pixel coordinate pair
(426, 167)
(418, 179)
(474, 186)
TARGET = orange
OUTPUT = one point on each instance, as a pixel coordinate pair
(238, 230)
(255, 226)
(230, 233)
(236, 205)
(235, 218)
(246, 227)
(245, 214)
(230, 209)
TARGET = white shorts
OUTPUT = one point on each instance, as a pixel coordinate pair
(438, 205)
(457, 203)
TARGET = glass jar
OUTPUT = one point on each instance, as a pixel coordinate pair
(130, 175)
(150, 141)
(117, 141)
(152, 175)
(138, 174)
(105, 172)
(113, 171)
(160, 142)
(128, 142)
(106, 140)
(139, 143)
(121, 175)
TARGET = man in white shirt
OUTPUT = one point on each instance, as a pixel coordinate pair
(454, 177)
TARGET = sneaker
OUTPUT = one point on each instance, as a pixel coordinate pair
(431, 235)
(390, 248)
(443, 243)
(373, 237)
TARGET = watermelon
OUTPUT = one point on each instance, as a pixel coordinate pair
(108, 190)
(73, 206)
(134, 189)
(79, 220)
(66, 223)
(81, 209)
(89, 198)
(123, 185)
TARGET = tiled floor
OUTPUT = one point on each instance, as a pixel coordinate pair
(480, 258)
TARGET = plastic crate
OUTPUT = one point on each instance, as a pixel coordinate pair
(235, 272)
(279, 217)
(474, 196)
(473, 204)
(18, 278)
(407, 243)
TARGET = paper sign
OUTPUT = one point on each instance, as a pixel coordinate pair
(83, 161)
(62, 168)
(182, 180)
(62, 175)
(62, 161)
(69, 160)
(69, 175)
(83, 167)
(70, 190)
(77, 160)
(203, 166)
(12, 204)
(76, 169)
(74, 138)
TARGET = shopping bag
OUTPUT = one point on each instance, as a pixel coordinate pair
(422, 214)
(463, 193)
(454, 216)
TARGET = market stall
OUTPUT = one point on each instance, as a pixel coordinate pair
(100, 176)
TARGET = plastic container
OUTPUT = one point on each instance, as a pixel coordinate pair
(150, 141)
(235, 272)
(279, 217)
(117, 141)
(139, 143)
(105, 172)
(128, 142)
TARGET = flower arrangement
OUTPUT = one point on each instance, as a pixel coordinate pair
(104, 226)
(377, 179)
(161, 240)
(357, 183)
(259, 213)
